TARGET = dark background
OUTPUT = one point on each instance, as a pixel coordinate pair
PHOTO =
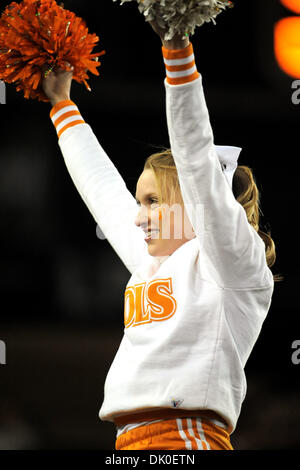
(62, 287)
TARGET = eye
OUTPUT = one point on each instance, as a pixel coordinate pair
(153, 201)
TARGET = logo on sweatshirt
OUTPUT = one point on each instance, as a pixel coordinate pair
(176, 402)
(148, 302)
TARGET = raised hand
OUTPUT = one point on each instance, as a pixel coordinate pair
(175, 43)
(57, 85)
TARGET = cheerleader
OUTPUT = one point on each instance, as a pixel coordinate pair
(200, 285)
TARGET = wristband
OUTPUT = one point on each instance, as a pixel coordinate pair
(64, 115)
(180, 65)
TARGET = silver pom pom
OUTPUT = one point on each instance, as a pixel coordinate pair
(180, 16)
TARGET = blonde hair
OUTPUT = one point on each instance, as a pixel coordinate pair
(244, 189)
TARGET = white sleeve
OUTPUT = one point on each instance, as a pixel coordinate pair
(101, 187)
(220, 222)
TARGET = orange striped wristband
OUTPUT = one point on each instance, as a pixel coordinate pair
(180, 65)
(64, 115)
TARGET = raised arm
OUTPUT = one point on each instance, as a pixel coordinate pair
(226, 238)
(95, 176)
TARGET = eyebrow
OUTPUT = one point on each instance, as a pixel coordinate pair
(146, 196)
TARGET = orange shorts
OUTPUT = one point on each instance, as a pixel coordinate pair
(176, 434)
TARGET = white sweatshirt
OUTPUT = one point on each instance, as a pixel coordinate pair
(191, 318)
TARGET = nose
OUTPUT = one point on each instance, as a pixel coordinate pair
(142, 217)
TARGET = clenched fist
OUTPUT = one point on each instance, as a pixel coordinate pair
(175, 43)
(57, 85)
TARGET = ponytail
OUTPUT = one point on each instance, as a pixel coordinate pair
(246, 193)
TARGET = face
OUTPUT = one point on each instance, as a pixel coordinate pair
(168, 225)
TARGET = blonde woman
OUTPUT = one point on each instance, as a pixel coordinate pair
(200, 285)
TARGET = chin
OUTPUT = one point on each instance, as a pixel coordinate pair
(155, 250)
(165, 249)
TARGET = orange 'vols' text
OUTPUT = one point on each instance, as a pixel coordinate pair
(147, 302)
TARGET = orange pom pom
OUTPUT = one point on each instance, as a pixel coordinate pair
(40, 35)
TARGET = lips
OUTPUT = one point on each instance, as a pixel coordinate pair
(149, 233)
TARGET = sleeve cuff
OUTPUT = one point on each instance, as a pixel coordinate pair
(180, 65)
(64, 115)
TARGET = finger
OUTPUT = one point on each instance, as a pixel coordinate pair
(61, 71)
(70, 66)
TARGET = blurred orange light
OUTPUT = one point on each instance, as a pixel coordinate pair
(293, 5)
(287, 45)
